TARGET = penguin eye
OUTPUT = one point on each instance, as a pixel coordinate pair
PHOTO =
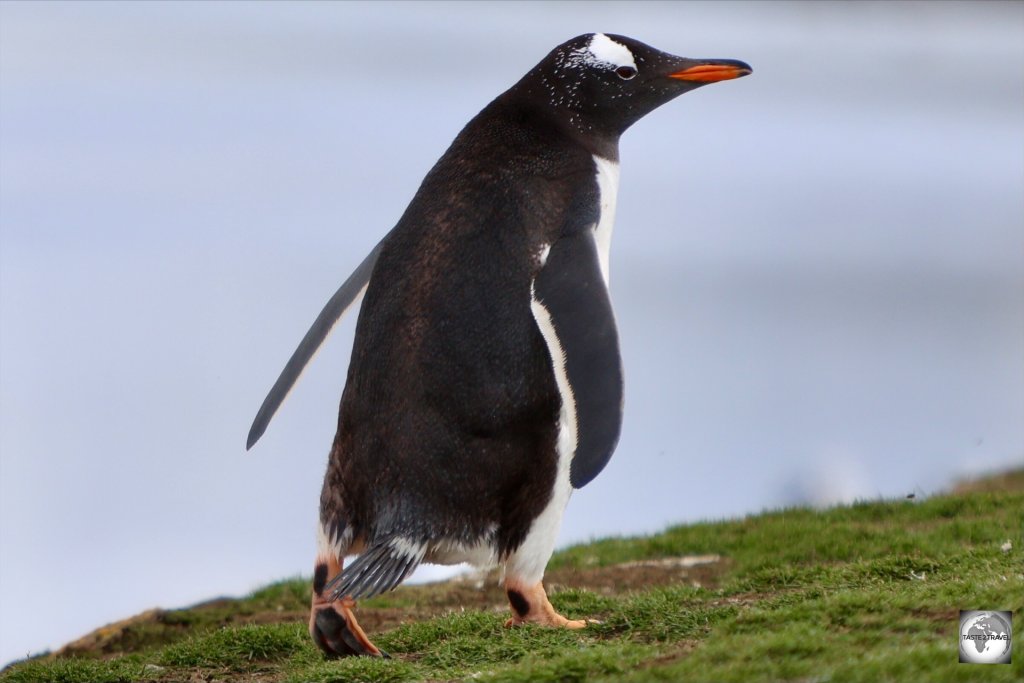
(625, 72)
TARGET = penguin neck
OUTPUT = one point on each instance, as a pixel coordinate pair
(604, 146)
(573, 124)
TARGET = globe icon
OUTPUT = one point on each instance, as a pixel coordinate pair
(984, 638)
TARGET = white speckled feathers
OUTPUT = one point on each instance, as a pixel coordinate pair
(603, 51)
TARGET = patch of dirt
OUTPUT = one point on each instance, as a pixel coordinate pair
(117, 637)
(703, 571)
(680, 650)
(939, 615)
(157, 628)
(747, 599)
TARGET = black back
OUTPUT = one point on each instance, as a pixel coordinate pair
(450, 403)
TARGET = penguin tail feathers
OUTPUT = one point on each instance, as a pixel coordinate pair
(379, 569)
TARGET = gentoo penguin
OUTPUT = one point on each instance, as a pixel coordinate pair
(485, 382)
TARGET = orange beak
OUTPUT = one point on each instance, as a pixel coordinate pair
(709, 73)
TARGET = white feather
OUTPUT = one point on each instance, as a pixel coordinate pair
(404, 547)
(326, 546)
(605, 50)
(608, 186)
(542, 255)
(482, 554)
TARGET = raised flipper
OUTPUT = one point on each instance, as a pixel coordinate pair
(574, 313)
(322, 326)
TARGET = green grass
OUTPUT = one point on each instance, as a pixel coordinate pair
(866, 592)
(236, 648)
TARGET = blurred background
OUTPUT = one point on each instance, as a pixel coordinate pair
(818, 270)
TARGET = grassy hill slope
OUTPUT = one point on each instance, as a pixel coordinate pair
(866, 592)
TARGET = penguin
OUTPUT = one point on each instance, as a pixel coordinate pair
(485, 382)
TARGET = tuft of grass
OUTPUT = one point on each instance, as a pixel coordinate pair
(672, 614)
(237, 648)
(77, 670)
(289, 594)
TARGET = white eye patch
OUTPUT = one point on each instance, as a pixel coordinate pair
(604, 52)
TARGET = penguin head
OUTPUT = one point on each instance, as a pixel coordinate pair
(601, 84)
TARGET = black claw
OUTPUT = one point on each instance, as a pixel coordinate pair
(353, 643)
(330, 624)
(332, 635)
(318, 638)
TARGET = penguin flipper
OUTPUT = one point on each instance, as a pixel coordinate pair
(578, 325)
(332, 312)
(379, 569)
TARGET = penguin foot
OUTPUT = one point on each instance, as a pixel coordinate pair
(530, 605)
(336, 632)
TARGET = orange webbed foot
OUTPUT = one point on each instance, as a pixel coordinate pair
(530, 605)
